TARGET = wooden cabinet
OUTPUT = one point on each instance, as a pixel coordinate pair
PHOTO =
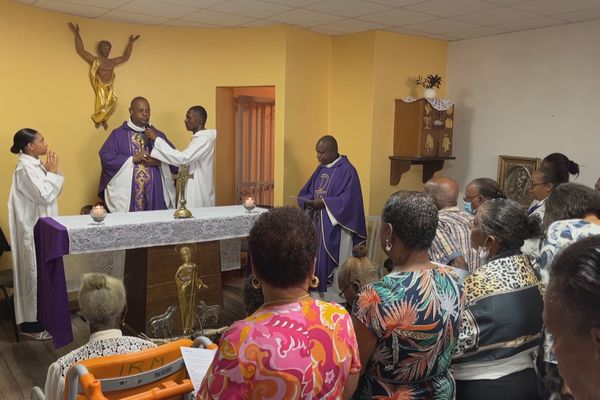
(423, 135)
(422, 131)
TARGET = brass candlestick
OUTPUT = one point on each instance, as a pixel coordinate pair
(181, 182)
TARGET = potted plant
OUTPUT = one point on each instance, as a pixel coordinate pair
(430, 83)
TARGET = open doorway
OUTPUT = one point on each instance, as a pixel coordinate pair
(245, 122)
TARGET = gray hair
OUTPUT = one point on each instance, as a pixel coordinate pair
(101, 298)
(508, 222)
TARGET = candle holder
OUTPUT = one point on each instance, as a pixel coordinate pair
(249, 204)
(98, 214)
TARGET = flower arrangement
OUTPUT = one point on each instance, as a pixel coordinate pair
(430, 82)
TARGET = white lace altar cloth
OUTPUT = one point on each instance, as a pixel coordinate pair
(121, 231)
(438, 104)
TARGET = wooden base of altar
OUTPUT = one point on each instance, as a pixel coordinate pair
(150, 282)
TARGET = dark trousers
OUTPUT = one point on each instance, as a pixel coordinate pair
(520, 385)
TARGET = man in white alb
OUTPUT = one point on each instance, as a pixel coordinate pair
(198, 156)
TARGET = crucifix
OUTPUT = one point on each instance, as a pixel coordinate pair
(181, 182)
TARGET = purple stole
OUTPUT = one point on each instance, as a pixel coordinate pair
(339, 187)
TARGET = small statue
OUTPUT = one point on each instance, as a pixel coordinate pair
(163, 322)
(180, 183)
(188, 283)
(102, 74)
(206, 313)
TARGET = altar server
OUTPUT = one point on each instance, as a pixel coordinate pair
(35, 188)
(198, 156)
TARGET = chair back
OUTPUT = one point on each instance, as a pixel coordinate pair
(124, 375)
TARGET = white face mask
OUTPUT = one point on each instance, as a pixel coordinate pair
(482, 252)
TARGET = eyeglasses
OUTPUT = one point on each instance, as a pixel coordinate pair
(532, 184)
(341, 294)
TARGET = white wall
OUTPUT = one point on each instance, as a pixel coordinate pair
(526, 94)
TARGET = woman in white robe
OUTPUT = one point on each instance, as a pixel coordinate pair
(33, 194)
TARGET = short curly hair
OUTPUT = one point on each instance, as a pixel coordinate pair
(569, 201)
(414, 218)
(283, 246)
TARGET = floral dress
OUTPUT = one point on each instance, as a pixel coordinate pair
(302, 350)
(415, 318)
(560, 234)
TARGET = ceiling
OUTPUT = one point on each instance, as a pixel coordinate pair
(439, 19)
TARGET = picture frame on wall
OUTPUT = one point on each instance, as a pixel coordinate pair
(514, 175)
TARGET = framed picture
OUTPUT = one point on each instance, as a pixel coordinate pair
(514, 174)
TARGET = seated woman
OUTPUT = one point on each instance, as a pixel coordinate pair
(407, 322)
(502, 322)
(560, 161)
(571, 315)
(480, 190)
(101, 303)
(356, 272)
(572, 213)
(293, 346)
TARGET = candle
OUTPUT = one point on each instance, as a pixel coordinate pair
(98, 212)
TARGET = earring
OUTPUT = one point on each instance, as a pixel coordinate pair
(256, 283)
(388, 244)
(314, 281)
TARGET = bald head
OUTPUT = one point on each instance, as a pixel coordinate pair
(443, 190)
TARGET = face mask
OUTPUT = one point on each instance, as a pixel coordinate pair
(469, 207)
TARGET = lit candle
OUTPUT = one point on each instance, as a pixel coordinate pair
(98, 211)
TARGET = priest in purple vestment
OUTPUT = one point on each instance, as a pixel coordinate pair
(334, 197)
(132, 180)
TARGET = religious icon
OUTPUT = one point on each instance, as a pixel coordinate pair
(429, 144)
(427, 122)
(427, 108)
(446, 143)
(514, 174)
(188, 283)
(102, 74)
(181, 182)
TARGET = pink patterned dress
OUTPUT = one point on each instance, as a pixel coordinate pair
(302, 350)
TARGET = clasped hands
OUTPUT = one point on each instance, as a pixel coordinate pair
(143, 157)
(51, 163)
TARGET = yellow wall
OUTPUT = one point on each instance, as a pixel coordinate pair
(399, 59)
(344, 86)
(305, 108)
(351, 101)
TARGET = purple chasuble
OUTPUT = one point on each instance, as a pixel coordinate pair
(147, 189)
(339, 187)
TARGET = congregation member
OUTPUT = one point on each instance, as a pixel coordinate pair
(334, 197)
(198, 156)
(502, 321)
(543, 182)
(560, 161)
(35, 188)
(571, 316)
(101, 305)
(356, 272)
(407, 323)
(293, 346)
(572, 212)
(479, 191)
(452, 242)
(131, 180)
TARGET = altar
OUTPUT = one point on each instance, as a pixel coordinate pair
(56, 237)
